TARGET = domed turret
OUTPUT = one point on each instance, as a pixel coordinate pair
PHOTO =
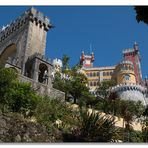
(124, 73)
(57, 64)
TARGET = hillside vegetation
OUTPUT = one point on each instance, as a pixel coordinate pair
(28, 117)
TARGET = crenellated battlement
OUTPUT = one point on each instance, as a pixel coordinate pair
(36, 16)
(129, 50)
(126, 62)
(30, 15)
(127, 87)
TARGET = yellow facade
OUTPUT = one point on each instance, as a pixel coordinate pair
(121, 78)
(96, 75)
(124, 73)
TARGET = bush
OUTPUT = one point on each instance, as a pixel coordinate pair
(21, 98)
(16, 96)
(7, 76)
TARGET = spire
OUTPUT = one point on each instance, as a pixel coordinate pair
(135, 43)
(136, 46)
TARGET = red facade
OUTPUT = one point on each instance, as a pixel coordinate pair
(133, 56)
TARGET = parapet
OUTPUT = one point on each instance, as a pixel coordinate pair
(40, 56)
(125, 87)
(128, 50)
(126, 62)
(32, 15)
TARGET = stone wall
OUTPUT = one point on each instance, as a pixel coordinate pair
(130, 92)
(43, 89)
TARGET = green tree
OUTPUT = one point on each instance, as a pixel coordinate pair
(105, 97)
(75, 85)
(16, 96)
(21, 98)
(145, 125)
(141, 13)
(65, 61)
(78, 86)
(7, 76)
(62, 84)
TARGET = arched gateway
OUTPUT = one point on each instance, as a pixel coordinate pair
(22, 45)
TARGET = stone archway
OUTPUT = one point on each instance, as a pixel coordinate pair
(42, 69)
(9, 53)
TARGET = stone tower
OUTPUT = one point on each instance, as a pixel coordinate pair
(22, 47)
(126, 87)
(133, 55)
(24, 37)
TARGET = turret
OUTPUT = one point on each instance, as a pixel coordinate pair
(134, 56)
(124, 73)
(136, 47)
(87, 60)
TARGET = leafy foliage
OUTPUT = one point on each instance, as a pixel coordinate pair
(49, 110)
(7, 76)
(14, 95)
(93, 127)
(65, 61)
(66, 124)
(74, 86)
(103, 90)
(141, 12)
(22, 98)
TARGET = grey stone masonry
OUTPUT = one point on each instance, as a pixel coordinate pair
(132, 92)
(22, 47)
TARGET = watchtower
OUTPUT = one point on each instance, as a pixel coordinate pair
(133, 55)
(23, 38)
(22, 46)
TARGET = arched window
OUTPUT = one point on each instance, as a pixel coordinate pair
(98, 73)
(90, 74)
(123, 68)
(9, 53)
(91, 84)
(94, 74)
(104, 73)
(127, 77)
(126, 67)
(42, 70)
(107, 73)
(95, 83)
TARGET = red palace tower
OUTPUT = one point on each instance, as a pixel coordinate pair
(87, 60)
(133, 55)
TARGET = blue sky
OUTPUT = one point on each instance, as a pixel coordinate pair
(108, 29)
